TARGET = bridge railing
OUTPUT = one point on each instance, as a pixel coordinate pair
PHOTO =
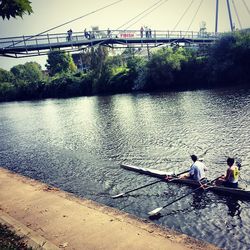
(60, 38)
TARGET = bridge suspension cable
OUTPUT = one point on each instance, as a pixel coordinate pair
(195, 15)
(184, 13)
(75, 19)
(132, 19)
(156, 7)
(246, 6)
(236, 12)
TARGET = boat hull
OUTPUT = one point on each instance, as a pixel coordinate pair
(237, 192)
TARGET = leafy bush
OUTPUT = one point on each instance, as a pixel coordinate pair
(7, 91)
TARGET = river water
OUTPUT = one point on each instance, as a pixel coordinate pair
(78, 145)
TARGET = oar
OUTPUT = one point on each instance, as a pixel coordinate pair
(157, 210)
(202, 155)
(122, 194)
(184, 172)
(149, 184)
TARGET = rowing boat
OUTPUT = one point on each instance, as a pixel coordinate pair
(239, 192)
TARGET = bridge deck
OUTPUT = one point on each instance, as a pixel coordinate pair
(42, 44)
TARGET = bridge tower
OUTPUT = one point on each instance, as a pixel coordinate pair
(230, 16)
(217, 15)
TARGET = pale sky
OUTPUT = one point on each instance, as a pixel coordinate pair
(50, 13)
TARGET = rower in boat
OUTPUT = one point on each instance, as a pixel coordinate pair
(197, 170)
(232, 175)
(242, 192)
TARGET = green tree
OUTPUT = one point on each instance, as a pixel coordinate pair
(99, 57)
(7, 91)
(6, 76)
(30, 72)
(193, 74)
(60, 62)
(137, 71)
(94, 58)
(14, 8)
(28, 80)
(229, 60)
(162, 67)
(114, 76)
(115, 61)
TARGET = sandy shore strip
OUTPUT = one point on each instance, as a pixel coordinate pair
(56, 219)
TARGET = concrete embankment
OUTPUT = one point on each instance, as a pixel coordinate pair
(52, 219)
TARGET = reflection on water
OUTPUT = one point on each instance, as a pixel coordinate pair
(78, 144)
(200, 200)
(234, 208)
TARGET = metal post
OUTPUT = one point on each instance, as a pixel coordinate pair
(230, 16)
(48, 41)
(37, 46)
(148, 51)
(24, 41)
(216, 16)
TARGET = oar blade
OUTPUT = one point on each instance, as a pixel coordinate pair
(155, 211)
(118, 195)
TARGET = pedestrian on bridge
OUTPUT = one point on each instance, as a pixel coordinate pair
(149, 33)
(86, 34)
(70, 32)
(141, 31)
(146, 31)
(109, 33)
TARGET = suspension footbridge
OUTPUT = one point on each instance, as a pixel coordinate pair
(24, 46)
(122, 37)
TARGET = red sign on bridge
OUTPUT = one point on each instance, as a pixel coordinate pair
(127, 35)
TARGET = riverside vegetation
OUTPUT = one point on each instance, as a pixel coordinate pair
(9, 240)
(226, 63)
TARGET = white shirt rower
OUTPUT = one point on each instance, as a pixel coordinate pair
(197, 170)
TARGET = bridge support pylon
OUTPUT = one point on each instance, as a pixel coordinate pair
(216, 16)
(230, 15)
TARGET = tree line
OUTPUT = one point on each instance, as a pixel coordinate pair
(226, 63)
